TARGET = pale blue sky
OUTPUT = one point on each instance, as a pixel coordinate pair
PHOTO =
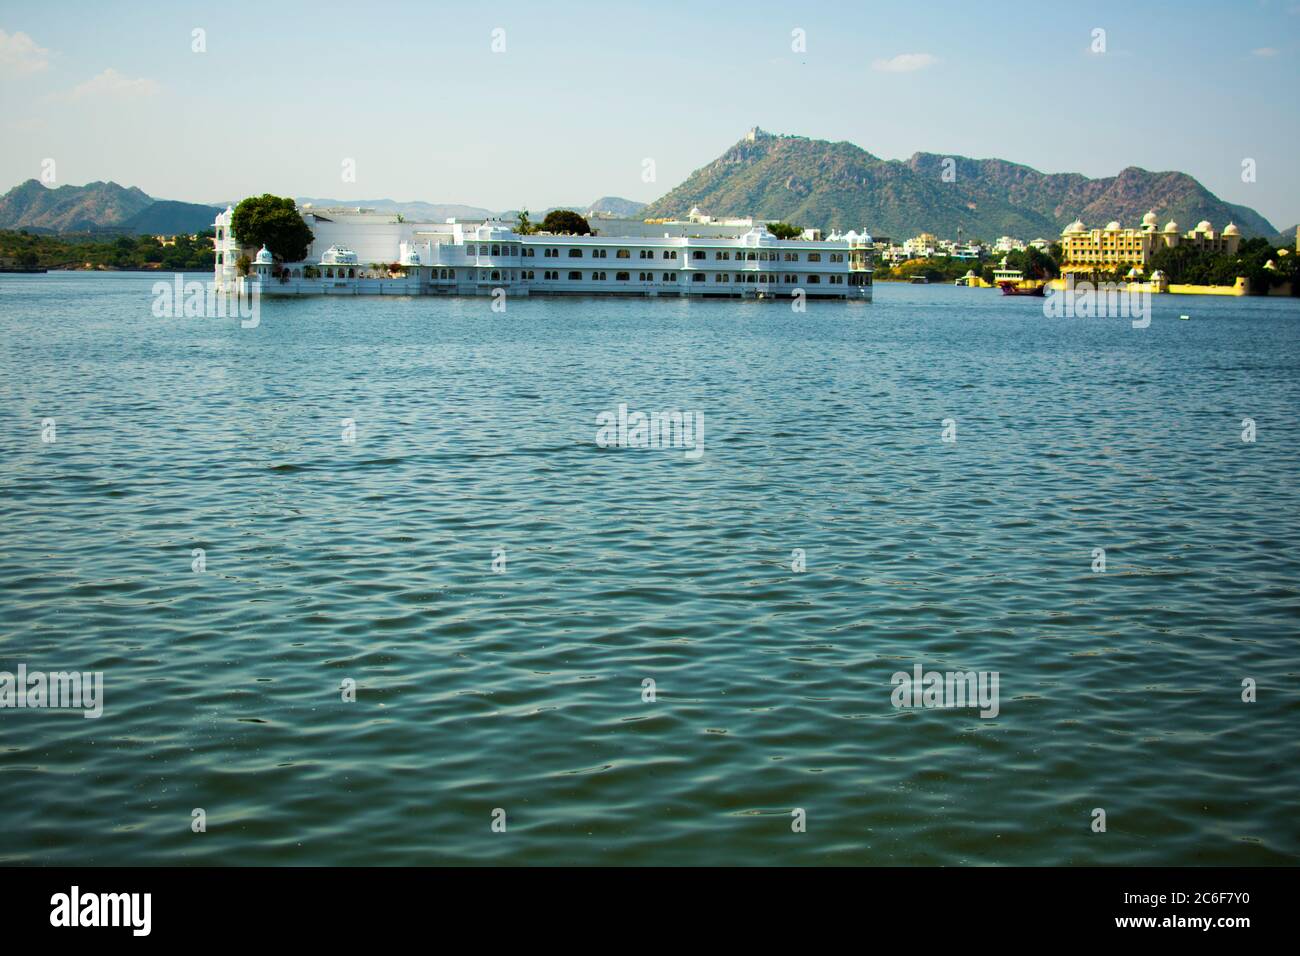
(584, 92)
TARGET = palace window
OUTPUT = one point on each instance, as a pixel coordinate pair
(837, 257)
(622, 276)
(496, 250)
(670, 276)
(722, 255)
(814, 279)
(721, 277)
(575, 276)
(647, 254)
(622, 254)
(697, 254)
(814, 257)
(469, 250)
(792, 257)
(550, 253)
(599, 253)
(575, 253)
(670, 253)
(528, 253)
(598, 277)
(698, 277)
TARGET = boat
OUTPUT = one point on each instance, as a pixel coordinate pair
(1022, 287)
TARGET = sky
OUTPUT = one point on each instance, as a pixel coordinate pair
(509, 105)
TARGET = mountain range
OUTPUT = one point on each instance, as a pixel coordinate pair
(842, 186)
(99, 207)
(804, 181)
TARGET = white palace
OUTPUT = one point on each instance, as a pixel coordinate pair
(363, 252)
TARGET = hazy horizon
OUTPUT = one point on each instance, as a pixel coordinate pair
(419, 107)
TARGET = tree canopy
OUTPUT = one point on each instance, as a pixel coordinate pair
(562, 221)
(784, 230)
(273, 222)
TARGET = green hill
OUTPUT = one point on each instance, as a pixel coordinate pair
(842, 186)
(167, 217)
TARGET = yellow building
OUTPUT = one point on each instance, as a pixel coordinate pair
(1105, 250)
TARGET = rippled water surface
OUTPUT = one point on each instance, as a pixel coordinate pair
(523, 690)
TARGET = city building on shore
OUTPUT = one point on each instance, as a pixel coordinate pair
(362, 252)
(1106, 250)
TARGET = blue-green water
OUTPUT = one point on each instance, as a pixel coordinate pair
(523, 690)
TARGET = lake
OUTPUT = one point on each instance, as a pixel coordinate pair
(572, 651)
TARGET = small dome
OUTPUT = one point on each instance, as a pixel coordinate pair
(1150, 219)
(1171, 226)
(1204, 226)
(1231, 229)
(264, 257)
(1076, 226)
(1135, 273)
(1112, 226)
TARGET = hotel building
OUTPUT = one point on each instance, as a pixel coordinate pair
(1105, 250)
(361, 252)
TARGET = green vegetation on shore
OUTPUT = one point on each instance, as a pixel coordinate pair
(1184, 264)
(99, 252)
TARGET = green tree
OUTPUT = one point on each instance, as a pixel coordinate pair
(566, 222)
(523, 225)
(273, 222)
(784, 230)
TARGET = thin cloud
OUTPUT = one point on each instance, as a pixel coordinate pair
(905, 63)
(1264, 51)
(20, 54)
(111, 84)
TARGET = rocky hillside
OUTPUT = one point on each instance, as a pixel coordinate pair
(841, 186)
(98, 207)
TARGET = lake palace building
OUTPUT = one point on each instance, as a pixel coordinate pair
(365, 252)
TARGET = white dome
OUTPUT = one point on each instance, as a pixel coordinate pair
(1231, 229)
(1112, 226)
(1204, 226)
(1171, 226)
(1076, 226)
(264, 257)
(1150, 219)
